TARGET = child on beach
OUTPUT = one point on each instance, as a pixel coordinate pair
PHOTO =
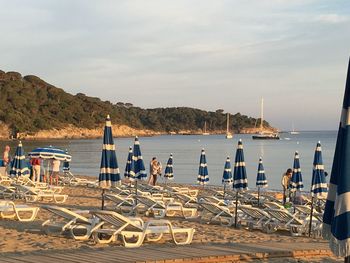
(285, 183)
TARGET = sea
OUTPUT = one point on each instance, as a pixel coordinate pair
(278, 155)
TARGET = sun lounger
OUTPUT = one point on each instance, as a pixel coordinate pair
(25, 180)
(65, 220)
(22, 213)
(124, 205)
(273, 205)
(181, 190)
(31, 194)
(254, 218)
(69, 178)
(7, 192)
(186, 200)
(282, 219)
(136, 228)
(216, 212)
(5, 180)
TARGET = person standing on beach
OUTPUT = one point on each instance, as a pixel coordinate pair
(55, 170)
(35, 162)
(6, 157)
(285, 183)
(155, 170)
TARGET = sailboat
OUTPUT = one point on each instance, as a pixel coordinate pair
(262, 135)
(293, 131)
(205, 129)
(228, 134)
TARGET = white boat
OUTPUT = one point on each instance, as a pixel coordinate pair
(228, 134)
(293, 131)
(205, 129)
(264, 135)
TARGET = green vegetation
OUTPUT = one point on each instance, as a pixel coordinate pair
(29, 104)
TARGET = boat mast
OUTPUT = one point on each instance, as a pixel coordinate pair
(262, 114)
(228, 116)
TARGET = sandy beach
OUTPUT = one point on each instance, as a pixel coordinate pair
(29, 236)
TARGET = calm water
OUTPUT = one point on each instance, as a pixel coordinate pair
(277, 155)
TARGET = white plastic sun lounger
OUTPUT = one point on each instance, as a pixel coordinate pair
(254, 218)
(23, 213)
(121, 204)
(217, 212)
(72, 221)
(7, 192)
(31, 194)
(136, 228)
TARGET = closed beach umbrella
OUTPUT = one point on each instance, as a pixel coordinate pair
(50, 152)
(227, 174)
(169, 173)
(66, 165)
(109, 171)
(128, 164)
(336, 223)
(296, 182)
(240, 182)
(318, 183)
(203, 177)
(19, 166)
(261, 181)
(138, 171)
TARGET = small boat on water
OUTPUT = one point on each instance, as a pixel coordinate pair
(264, 135)
(293, 131)
(228, 134)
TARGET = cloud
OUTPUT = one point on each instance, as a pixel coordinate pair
(331, 18)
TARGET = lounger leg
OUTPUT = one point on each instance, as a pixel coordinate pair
(154, 239)
(140, 237)
(189, 234)
(33, 212)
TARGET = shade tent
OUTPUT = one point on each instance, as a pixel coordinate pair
(296, 182)
(203, 176)
(128, 164)
(19, 165)
(169, 173)
(109, 170)
(50, 153)
(240, 181)
(336, 218)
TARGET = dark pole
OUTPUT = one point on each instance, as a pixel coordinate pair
(103, 199)
(347, 259)
(258, 196)
(312, 209)
(224, 191)
(136, 192)
(236, 209)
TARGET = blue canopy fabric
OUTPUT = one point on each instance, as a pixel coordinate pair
(169, 173)
(336, 217)
(138, 171)
(128, 164)
(227, 174)
(50, 153)
(203, 177)
(19, 165)
(319, 187)
(109, 171)
(240, 182)
(296, 182)
(261, 180)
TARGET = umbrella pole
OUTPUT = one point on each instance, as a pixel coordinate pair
(103, 199)
(347, 259)
(312, 210)
(236, 208)
(224, 191)
(136, 192)
(258, 196)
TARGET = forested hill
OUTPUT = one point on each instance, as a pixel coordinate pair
(29, 104)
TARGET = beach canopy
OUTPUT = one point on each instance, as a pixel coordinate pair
(296, 182)
(109, 170)
(128, 164)
(336, 217)
(318, 183)
(138, 171)
(227, 175)
(19, 165)
(240, 182)
(261, 181)
(203, 177)
(169, 173)
(50, 153)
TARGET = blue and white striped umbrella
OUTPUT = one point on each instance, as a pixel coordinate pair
(50, 153)
(138, 171)
(203, 177)
(66, 165)
(261, 181)
(19, 165)
(109, 170)
(319, 187)
(128, 164)
(169, 173)
(240, 182)
(227, 175)
(336, 217)
(296, 182)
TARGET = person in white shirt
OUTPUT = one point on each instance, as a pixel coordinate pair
(55, 164)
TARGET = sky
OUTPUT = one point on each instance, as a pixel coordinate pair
(207, 54)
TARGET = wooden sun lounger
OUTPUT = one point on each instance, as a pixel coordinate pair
(131, 228)
(65, 220)
(10, 210)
